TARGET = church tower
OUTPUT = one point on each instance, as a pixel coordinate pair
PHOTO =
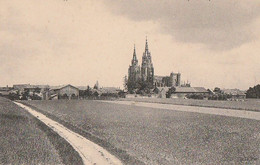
(147, 70)
(134, 70)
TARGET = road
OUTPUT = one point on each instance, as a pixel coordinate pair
(205, 110)
(160, 135)
(90, 152)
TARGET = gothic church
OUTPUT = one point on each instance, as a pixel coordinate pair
(146, 72)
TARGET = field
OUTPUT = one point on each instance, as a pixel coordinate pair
(249, 104)
(141, 135)
(25, 140)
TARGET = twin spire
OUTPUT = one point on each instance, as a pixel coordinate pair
(134, 60)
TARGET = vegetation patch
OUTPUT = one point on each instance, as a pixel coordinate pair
(140, 135)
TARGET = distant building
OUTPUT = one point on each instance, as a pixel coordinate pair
(63, 92)
(32, 91)
(182, 92)
(235, 93)
(20, 87)
(110, 90)
(168, 81)
(36, 88)
(146, 72)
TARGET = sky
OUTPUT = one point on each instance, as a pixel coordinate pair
(211, 43)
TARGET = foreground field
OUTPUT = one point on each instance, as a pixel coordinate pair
(158, 136)
(25, 140)
(249, 104)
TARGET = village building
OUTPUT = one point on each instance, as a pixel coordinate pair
(107, 92)
(30, 91)
(235, 94)
(30, 88)
(62, 92)
(20, 87)
(182, 92)
(168, 81)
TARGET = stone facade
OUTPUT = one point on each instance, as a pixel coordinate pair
(62, 92)
(168, 81)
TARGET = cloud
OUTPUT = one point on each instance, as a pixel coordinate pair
(219, 24)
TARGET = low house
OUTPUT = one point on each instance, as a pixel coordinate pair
(36, 88)
(28, 91)
(37, 91)
(110, 91)
(235, 94)
(63, 92)
(96, 92)
(20, 87)
(30, 88)
(113, 90)
(182, 92)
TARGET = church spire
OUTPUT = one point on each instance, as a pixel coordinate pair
(134, 60)
(134, 55)
(146, 44)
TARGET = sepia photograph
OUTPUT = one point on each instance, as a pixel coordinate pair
(129, 82)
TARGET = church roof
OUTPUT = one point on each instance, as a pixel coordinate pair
(61, 86)
(191, 90)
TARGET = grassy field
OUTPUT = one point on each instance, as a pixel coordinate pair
(249, 104)
(155, 136)
(26, 140)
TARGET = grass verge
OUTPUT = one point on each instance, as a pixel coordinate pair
(26, 140)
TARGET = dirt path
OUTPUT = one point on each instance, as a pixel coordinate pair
(204, 110)
(90, 152)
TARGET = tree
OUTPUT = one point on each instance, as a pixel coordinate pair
(25, 94)
(170, 92)
(88, 92)
(96, 86)
(125, 83)
(143, 87)
(14, 95)
(37, 90)
(253, 92)
(82, 93)
(217, 90)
